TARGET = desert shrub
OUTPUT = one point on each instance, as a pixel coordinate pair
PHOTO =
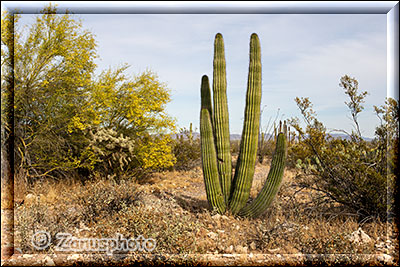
(69, 211)
(235, 146)
(101, 199)
(186, 150)
(351, 171)
(265, 148)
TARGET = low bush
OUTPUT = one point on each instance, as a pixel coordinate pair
(186, 149)
(352, 171)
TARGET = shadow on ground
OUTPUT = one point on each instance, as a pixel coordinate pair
(186, 202)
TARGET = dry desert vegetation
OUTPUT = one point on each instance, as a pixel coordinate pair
(171, 207)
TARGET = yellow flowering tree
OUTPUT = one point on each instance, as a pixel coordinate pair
(134, 109)
(53, 69)
(61, 106)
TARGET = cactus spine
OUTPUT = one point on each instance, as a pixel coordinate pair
(223, 192)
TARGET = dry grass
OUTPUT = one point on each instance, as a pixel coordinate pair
(171, 208)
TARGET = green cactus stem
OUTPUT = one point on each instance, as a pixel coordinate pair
(190, 134)
(221, 117)
(245, 166)
(263, 200)
(208, 154)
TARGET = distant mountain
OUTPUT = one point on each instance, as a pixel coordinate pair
(235, 137)
(346, 137)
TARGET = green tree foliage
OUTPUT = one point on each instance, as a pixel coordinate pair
(132, 109)
(54, 64)
(67, 119)
(352, 171)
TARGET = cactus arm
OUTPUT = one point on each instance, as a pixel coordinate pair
(248, 146)
(272, 184)
(208, 153)
(221, 117)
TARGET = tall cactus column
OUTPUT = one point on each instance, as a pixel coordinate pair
(274, 179)
(208, 154)
(221, 118)
(248, 146)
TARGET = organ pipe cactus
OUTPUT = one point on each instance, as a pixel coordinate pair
(224, 191)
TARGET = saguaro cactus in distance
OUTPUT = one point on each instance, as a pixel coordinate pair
(223, 191)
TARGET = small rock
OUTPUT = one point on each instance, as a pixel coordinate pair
(48, 261)
(73, 257)
(216, 217)
(253, 245)
(272, 250)
(229, 249)
(212, 235)
(240, 249)
(72, 210)
(385, 258)
(359, 236)
(83, 227)
(30, 199)
(224, 217)
(380, 245)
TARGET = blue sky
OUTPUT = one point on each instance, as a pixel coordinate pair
(302, 55)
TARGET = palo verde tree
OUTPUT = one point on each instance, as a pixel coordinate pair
(68, 119)
(53, 68)
(129, 122)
